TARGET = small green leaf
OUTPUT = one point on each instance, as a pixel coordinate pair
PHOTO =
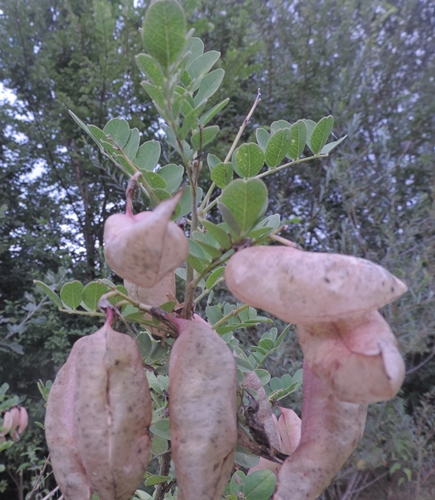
(277, 147)
(155, 93)
(214, 276)
(249, 160)
(408, 473)
(332, 145)
(278, 125)
(219, 234)
(49, 292)
(263, 375)
(92, 293)
(150, 69)
(222, 174)
(161, 428)
(118, 130)
(81, 124)
(214, 314)
(186, 201)
(320, 134)
(244, 458)
(155, 180)
(242, 202)
(209, 84)
(212, 161)
(310, 125)
(173, 175)
(211, 113)
(214, 252)
(204, 137)
(299, 139)
(104, 143)
(263, 137)
(196, 250)
(203, 64)
(395, 467)
(130, 149)
(196, 48)
(164, 31)
(147, 156)
(259, 485)
(153, 480)
(71, 294)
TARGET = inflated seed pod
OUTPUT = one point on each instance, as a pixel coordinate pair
(145, 247)
(357, 357)
(202, 399)
(289, 428)
(305, 287)
(331, 429)
(60, 432)
(112, 411)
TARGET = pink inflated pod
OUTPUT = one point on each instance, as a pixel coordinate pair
(98, 413)
(24, 420)
(289, 428)
(60, 432)
(145, 247)
(306, 287)
(202, 404)
(331, 429)
(112, 412)
(357, 357)
(7, 424)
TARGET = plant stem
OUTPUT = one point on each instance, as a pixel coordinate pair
(232, 313)
(232, 148)
(290, 164)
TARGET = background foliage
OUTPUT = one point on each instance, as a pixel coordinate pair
(369, 64)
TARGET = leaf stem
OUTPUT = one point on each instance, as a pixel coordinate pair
(232, 148)
(232, 313)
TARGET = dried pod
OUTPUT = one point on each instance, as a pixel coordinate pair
(60, 432)
(357, 357)
(202, 399)
(305, 287)
(331, 429)
(264, 416)
(145, 247)
(113, 412)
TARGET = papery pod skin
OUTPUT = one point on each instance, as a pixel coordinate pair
(7, 423)
(145, 247)
(264, 415)
(60, 432)
(331, 430)
(202, 403)
(305, 287)
(358, 358)
(24, 420)
(113, 412)
(289, 428)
